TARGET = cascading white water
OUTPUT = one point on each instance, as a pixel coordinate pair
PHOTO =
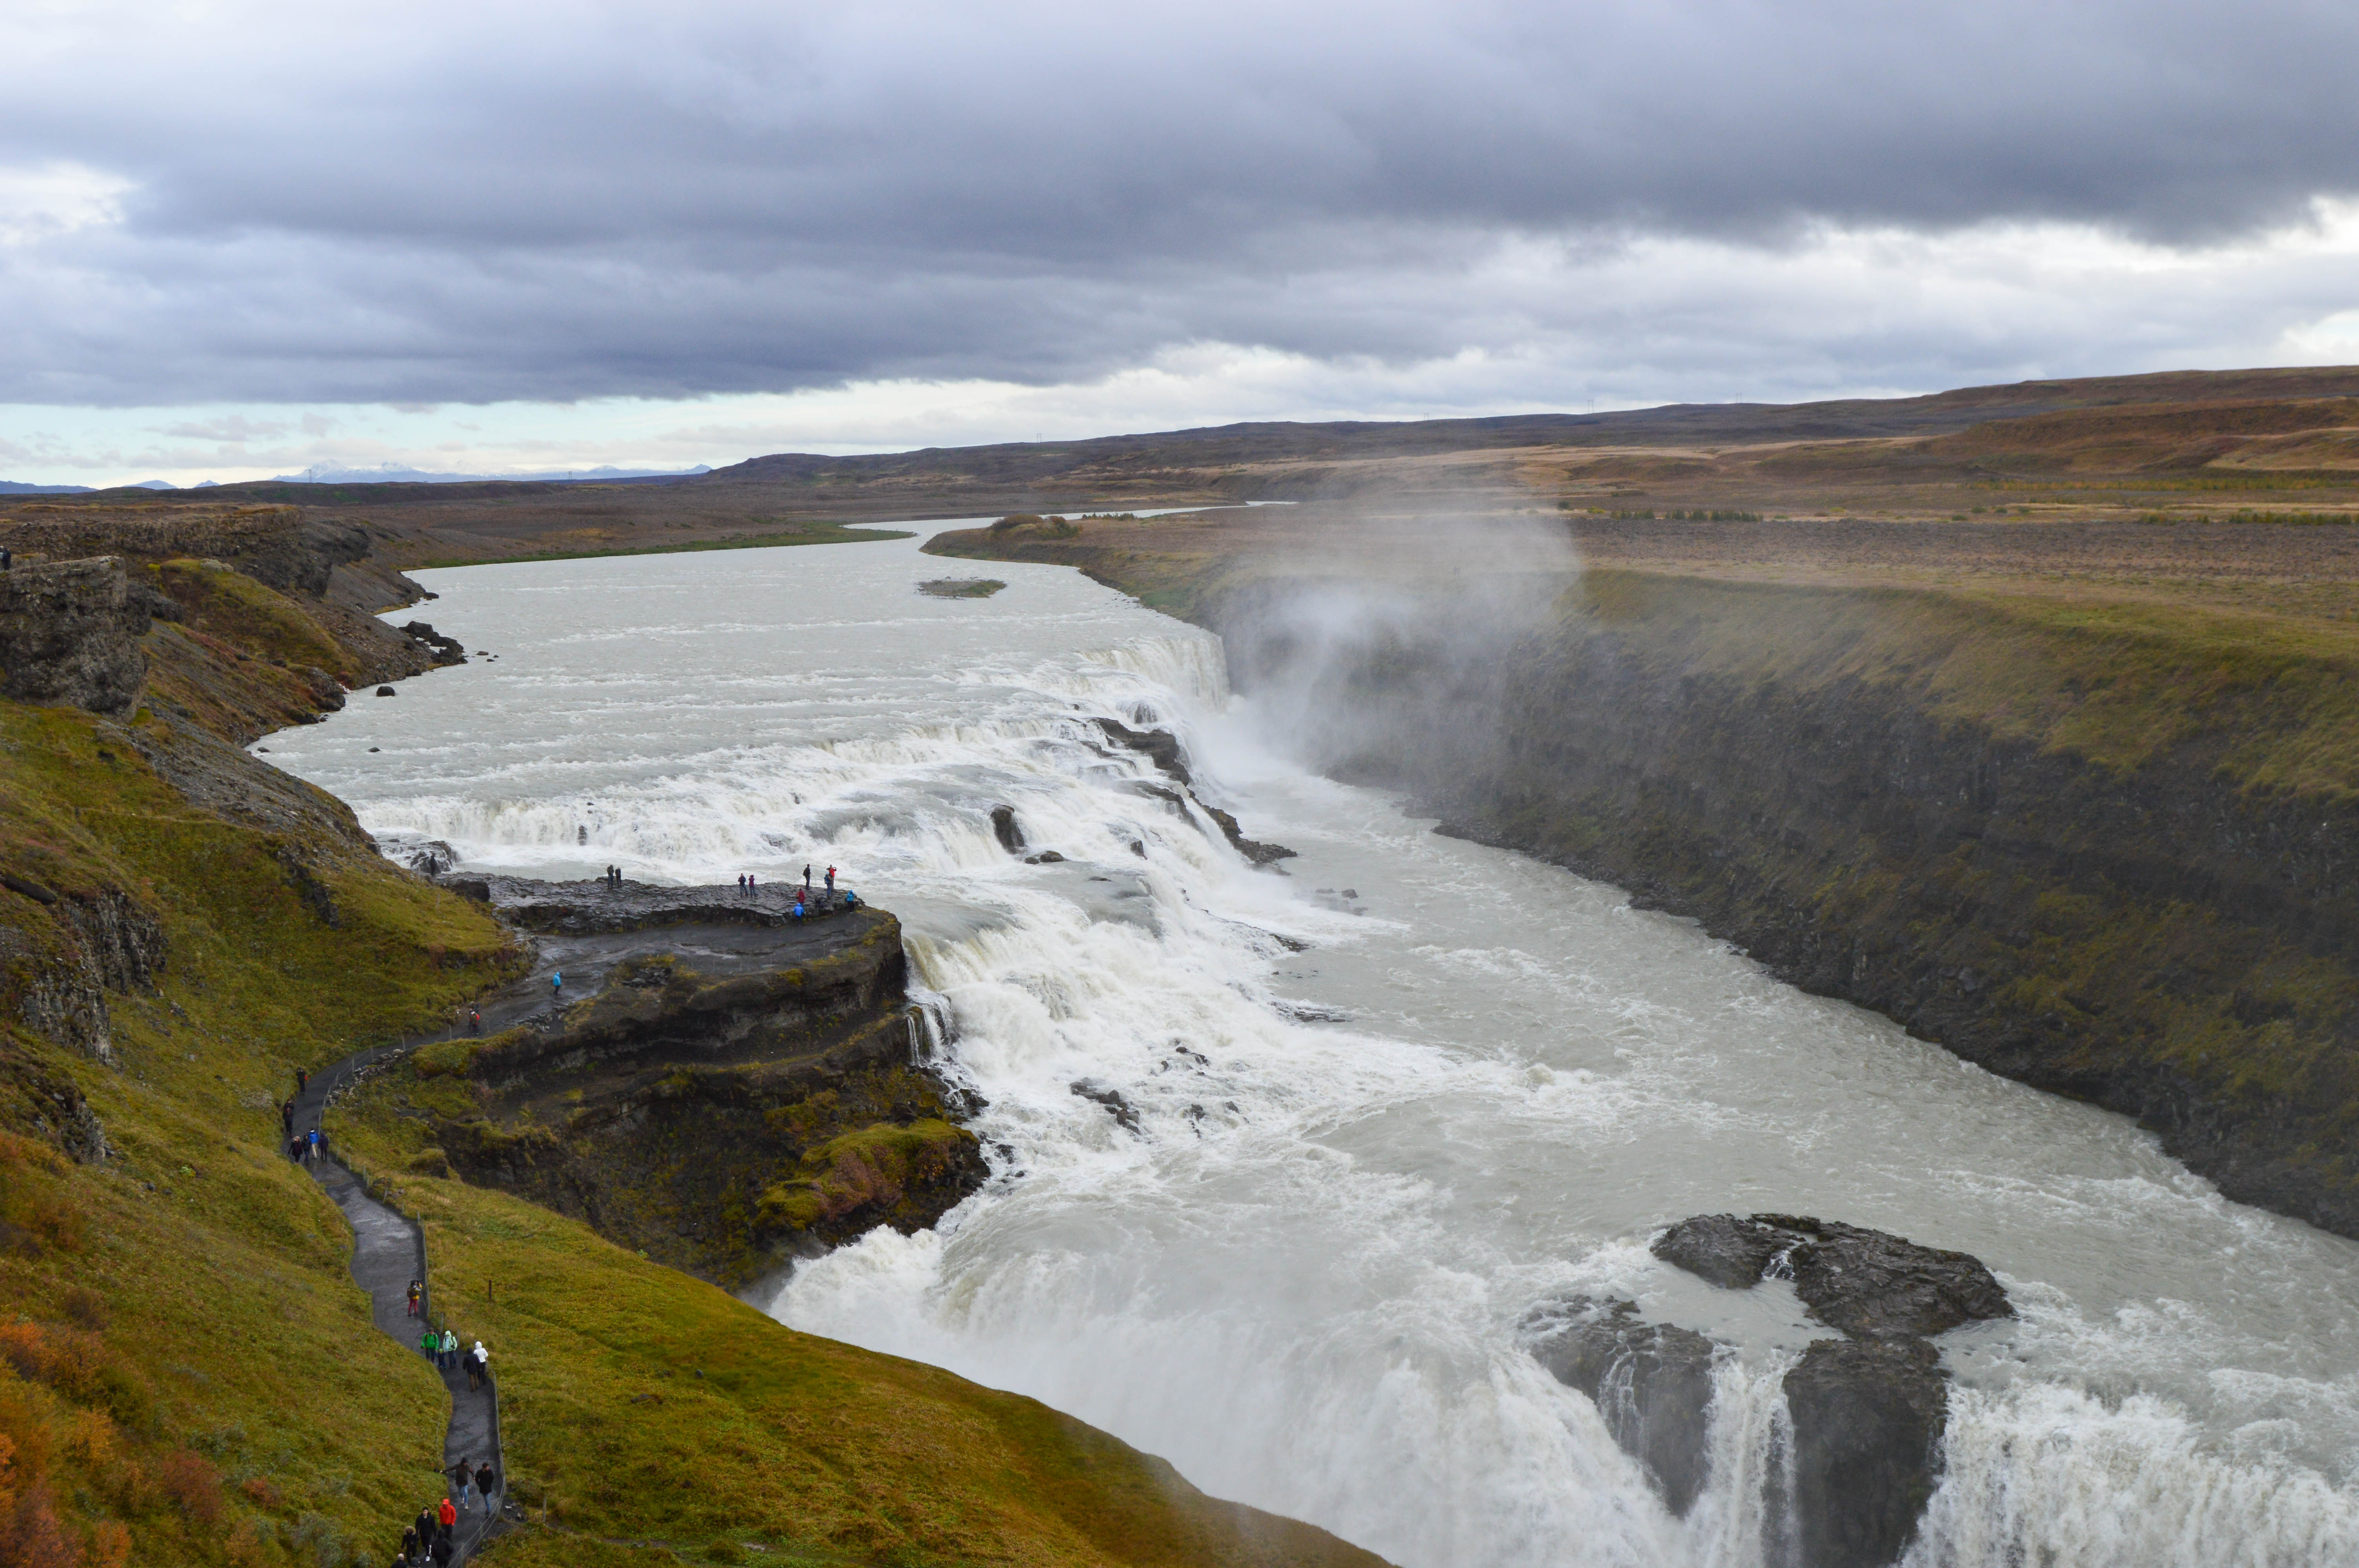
(1356, 1166)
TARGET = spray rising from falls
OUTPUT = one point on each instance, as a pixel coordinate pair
(1283, 1164)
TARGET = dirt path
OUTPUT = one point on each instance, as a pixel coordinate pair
(388, 1251)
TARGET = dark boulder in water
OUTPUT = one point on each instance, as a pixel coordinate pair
(1650, 1381)
(1867, 1418)
(1868, 1284)
(1732, 1253)
(1005, 829)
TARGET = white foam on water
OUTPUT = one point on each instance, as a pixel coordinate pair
(1301, 1277)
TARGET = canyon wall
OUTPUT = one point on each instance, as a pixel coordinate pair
(2109, 856)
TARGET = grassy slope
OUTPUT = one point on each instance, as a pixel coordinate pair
(640, 1405)
(230, 1343)
(188, 1374)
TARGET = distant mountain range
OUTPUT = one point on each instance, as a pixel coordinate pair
(391, 475)
(378, 476)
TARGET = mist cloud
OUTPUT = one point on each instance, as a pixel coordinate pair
(447, 204)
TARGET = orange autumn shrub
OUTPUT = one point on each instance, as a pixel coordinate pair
(194, 1484)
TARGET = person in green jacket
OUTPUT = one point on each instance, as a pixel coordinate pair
(430, 1343)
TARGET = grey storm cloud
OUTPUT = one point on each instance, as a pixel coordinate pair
(466, 204)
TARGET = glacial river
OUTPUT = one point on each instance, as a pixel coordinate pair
(1478, 1085)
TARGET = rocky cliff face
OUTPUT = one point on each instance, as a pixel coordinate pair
(2160, 936)
(69, 635)
(739, 1090)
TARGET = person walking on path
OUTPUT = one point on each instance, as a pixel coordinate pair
(557, 982)
(302, 1080)
(286, 1118)
(417, 1289)
(449, 1351)
(319, 1143)
(482, 1371)
(487, 1481)
(409, 1543)
(429, 1344)
(295, 1147)
(426, 1526)
(474, 1371)
(461, 1480)
(447, 1516)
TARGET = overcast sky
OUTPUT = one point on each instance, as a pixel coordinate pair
(245, 238)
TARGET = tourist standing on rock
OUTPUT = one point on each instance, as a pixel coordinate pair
(557, 982)
(830, 878)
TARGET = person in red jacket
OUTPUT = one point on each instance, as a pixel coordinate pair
(447, 1516)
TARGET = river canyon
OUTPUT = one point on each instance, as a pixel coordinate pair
(1284, 1157)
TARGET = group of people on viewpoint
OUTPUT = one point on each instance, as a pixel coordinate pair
(807, 898)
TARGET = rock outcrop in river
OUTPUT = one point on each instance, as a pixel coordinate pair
(1866, 1411)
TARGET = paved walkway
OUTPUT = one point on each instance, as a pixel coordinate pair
(388, 1251)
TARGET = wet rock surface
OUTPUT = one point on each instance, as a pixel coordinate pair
(1650, 1381)
(1867, 1419)
(1163, 749)
(1866, 1411)
(1005, 829)
(593, 907)
(1867, 1283)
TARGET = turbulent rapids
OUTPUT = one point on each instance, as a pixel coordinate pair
(1284, 1160)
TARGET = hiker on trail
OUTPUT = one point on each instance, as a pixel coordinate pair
(450, 1350)
(442, 1550)
(446, 1516)
(409, 1543)
(426, 1526)
(487, 1481)
(475, 1019)
(295, 1147)
(429, 1344)
(286, 1118)
(417, 1289)
(474, 1369)
(461, 1477)
(317, 1140)
(482, 1362)
(302, 1080)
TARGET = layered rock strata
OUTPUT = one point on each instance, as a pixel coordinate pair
(732, 1088)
